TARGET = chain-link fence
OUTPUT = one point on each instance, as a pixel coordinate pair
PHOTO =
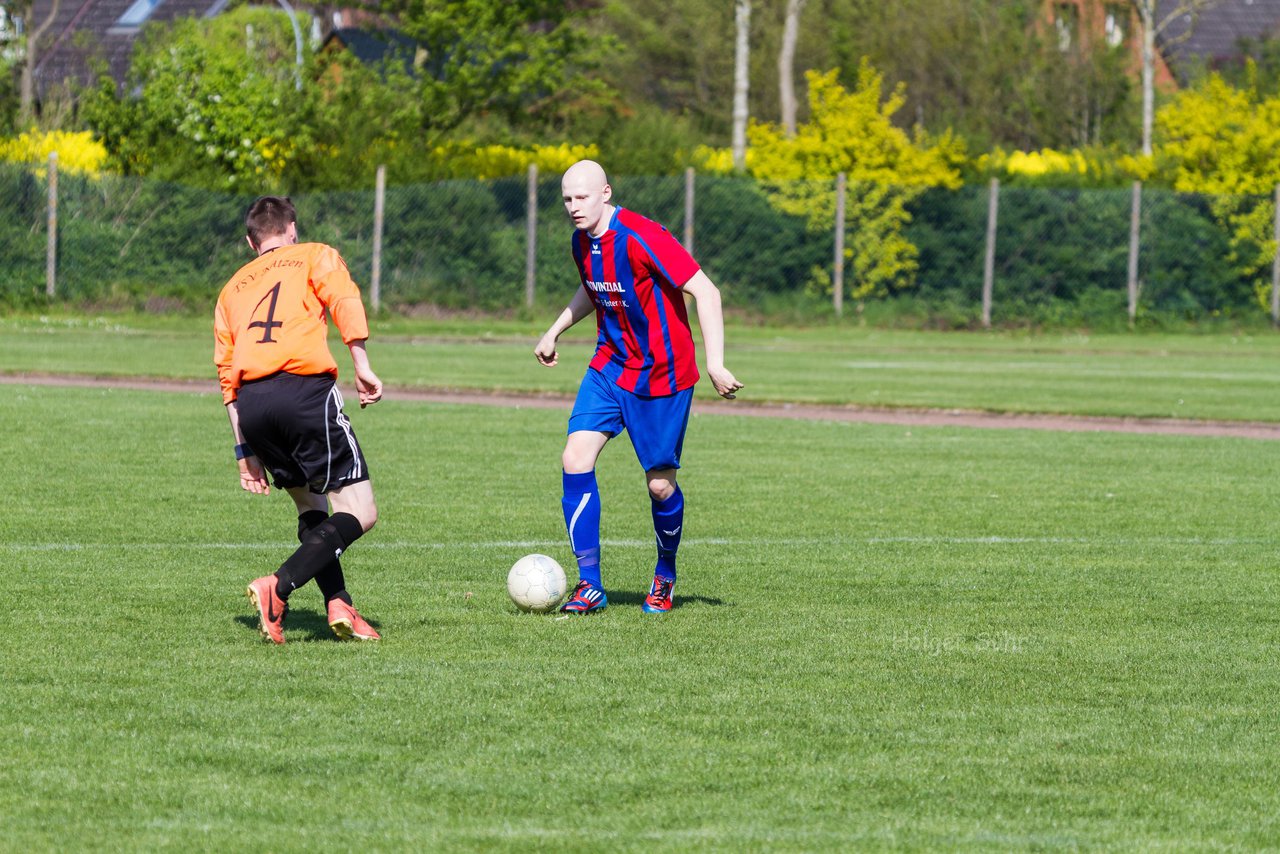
(1057, 254)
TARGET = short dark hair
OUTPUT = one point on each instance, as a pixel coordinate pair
(269, 216)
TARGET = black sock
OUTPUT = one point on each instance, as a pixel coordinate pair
(330, 580)
(320, 546)
(308, 520)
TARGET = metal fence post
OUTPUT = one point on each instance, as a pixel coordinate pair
(1135, 221)
(688, 210)
(379, 207)
(837, 280)
(51, 253)
(1275, 266)
(989, 258)
(531, 236)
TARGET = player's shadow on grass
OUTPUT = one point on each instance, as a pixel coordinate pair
(313, 625)
(627, 597)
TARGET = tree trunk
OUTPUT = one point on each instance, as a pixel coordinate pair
(1153, 23)
(1147, 11)
(786, 66)
(27, 86)
(742, 20)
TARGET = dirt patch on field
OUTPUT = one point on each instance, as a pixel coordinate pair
(797, 411)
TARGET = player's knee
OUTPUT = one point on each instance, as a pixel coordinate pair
(575, 461)
(660, 488)
(366, 515)
(308, 520)
(357, 501)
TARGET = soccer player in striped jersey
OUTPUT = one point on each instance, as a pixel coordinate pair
(279, 384)
(633, 275)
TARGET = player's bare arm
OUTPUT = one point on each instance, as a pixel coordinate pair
(253, 478)
(579, 307)
(368, 386)
(711, 321)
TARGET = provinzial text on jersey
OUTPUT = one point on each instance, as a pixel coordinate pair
(606, 287)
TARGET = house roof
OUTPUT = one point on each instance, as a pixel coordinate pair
(1213, 37)
(372, 46)
(83, 29)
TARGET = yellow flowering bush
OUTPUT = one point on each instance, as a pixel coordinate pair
(462, 160)
(77, 152)
(275, 155)
(1052, 168)
(1035, 164)
(718, 161)
(851, 131)
(1225, 141)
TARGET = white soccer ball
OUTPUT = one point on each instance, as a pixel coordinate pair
(536, 583)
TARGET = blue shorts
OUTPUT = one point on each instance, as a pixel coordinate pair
(655, 425)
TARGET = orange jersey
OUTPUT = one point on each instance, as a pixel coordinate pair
(271, 316)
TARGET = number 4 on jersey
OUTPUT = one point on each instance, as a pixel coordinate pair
(271, 322)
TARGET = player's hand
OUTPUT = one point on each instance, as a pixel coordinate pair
(725, 382)
(253, 478)
(545, 352)
(368, 387)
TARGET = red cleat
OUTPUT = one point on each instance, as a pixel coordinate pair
(271, 608)
(659, 599)
(347, 623)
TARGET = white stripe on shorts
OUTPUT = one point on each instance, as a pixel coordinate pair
(335, 396)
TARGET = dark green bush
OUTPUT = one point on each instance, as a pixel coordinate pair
(1061, 255)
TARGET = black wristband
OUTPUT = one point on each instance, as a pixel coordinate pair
(243, 451)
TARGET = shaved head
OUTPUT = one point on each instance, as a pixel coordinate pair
(585, 173)
(586, 193)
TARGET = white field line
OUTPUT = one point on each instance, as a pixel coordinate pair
(648, 544)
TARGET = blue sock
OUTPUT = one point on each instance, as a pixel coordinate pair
(581, 505)
(668, 524)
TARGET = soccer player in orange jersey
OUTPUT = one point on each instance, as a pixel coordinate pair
(279, 384)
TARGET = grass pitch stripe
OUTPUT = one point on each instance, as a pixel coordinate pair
(705, 541)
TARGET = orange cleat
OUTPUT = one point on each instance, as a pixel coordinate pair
(271, 608)
(347, 623)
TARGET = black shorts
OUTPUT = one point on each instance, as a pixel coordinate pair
(296, 427)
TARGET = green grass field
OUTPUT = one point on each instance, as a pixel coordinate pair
(923, 638)
(1187, 376)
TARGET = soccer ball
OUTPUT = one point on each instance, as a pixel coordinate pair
(536, 583)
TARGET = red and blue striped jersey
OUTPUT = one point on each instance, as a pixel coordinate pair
(633, 273)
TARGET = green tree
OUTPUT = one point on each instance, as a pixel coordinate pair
(33, 41)
(524, 61)
(991, 70)
(1258, 70)
(216, 103)
(994, 71)
(678, 54)
(12, 51)
(9, 101)
(358, 117)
